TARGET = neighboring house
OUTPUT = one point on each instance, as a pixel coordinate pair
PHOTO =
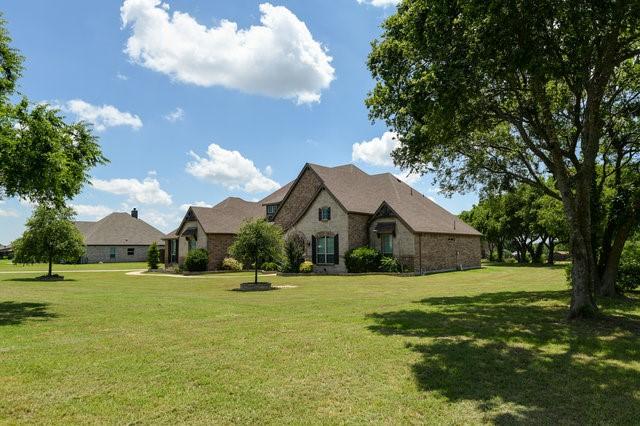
(337, 209)
(5, 251)
(119, 237)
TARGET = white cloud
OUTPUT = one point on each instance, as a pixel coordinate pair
(377, 151)
(230, 169)
(8, 213)
(166, 221)
(91, 211)
(146, 192)
(278, 58)
(380, 3)
(122, 77)
(175, 115)
(103, 116)
(185, 207)
(408, 178)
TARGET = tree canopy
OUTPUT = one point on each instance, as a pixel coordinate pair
(37, 138)
(488, 93)
(256, 241)
(50, 237)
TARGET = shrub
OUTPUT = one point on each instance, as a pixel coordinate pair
(306, 267)
(629, 275)
(153, 256)
(231, 264)
(197, 260)
(390, 264)
(294, 246)
(269, 266)
(362, 259)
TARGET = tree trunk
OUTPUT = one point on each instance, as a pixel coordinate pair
(500, 248)
(552, 246)
(256, 272)
(609, 269)
(50, 264)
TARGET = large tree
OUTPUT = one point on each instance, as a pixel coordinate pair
(492, 92)
(42, 157)
(50, 237)
(257, 241)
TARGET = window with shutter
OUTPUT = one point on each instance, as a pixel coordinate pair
(325, 251)
(324, 213)
(336, 250)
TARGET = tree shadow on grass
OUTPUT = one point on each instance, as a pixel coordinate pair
(35, 280)
(519, 361)
(13, 313)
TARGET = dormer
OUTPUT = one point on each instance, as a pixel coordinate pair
(272, 209)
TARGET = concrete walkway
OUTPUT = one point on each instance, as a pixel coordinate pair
(58, 271)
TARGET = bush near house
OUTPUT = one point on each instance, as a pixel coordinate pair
(197, 260)
(390, 264)
(231, 264)
(294, 247)
(363, 259)
(269, 266)
(306, 267)
(153, 256)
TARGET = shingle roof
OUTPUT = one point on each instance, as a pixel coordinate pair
(360, 192)
(277, 196)
(227, 216)
(119, 229)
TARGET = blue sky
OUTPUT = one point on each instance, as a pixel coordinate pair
(194, 101)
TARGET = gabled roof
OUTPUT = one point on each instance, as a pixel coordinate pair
(276, 196)
(226, 216)
(119, 229)
(359, 192)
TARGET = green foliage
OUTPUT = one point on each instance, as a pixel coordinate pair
(390, 264)
(306, 267)
(269, 266)
(629, 271)
(362, 259)
(258, 240)
(294, 248)
(36, 138)
(153, 256)
(50, 236)
(197, 260)
(231, 264)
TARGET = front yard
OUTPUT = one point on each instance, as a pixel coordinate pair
(482, 346)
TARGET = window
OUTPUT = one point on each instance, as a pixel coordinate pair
(131, 251)
(387, 243)
(324, 250)
(112, 253)
(272, 209)
(192, 243)
(324, 213)
(174, 250)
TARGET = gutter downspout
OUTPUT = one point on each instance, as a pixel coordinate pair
(420, 252)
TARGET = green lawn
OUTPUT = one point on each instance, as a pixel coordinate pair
(8, 266)
(483, 346)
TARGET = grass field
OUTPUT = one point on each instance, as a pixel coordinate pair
(8, 266)
(483, 346)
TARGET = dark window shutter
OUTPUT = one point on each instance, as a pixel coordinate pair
(329, 214)
(320, 214)
(313, 249)
(336, 250)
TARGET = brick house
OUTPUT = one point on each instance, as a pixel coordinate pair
(337, 209)
(119, 237)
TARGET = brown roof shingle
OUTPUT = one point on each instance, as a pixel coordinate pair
(360, 192)
(119, 229)
(227, 216)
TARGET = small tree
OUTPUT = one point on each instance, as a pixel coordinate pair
(153, 256)
(258, 240)
(50, 235)
(294, 250)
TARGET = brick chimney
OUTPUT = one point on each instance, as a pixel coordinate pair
(134, 213)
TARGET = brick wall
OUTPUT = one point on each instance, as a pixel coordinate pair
(309, 225)
(300, 197)
(403, 241)
(358, 230)
(97, 254)
(446, 252)
(218, 247)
